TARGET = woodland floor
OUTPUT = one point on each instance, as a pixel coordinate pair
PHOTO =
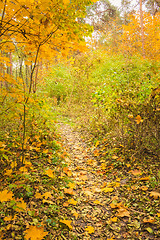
(71, 188)
(112, 198)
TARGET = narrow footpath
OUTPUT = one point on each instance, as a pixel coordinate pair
(92, 211)
(110, 197)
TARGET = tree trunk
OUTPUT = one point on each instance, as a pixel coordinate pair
(142, 28)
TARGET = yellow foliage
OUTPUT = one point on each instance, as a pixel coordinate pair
(6, 196)
(35, 233)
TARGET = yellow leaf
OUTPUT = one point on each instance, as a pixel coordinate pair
(9, 218)
(97, 202)
(66, 2)
(90, 229)
(21, 206)
(114, 219)
(138, 119)
(35, 233)
(158, 214)
(76, 215)
(144, 188)
(49, 173)
(28, 164)
(6, 196)
(107, 189)
(97, 143)
(38, 195)
(8, 172)
(23, 169)
(71, 185)
(47, 195)
(67, 223)
(47, 201)
(156, 195)
(72, 201)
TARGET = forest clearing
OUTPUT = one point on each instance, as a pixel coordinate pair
(79, 120)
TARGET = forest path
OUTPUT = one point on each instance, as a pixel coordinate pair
(91, 212)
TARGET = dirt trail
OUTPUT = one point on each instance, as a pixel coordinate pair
(92, 204)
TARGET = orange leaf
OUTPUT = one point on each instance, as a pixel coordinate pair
(35, 233)
(67, 223)
(90, 229)
(49, 173)
(156, 195)
(6, 196)
(136, 172)
(122, 212)
(149, 220)
(69, 191)
(138, 119)
(144, 178)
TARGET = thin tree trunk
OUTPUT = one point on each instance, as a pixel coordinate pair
(142, 28)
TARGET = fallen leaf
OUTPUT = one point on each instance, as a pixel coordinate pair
(158, 214)
(67, 223)
(144, 178)
(97, 202)
(138, 119)
(21, 206)
(69, 191)
(156, 195)
(122, 212)
(35, 233)
(107, 189)
(9, 218)
(144, 188)
(23, 169)
(6, 196)
(90, 229)
(71, 185)
(48, 201)
(149, 230)
(149, 220)
(38, 195)
(76, 215)
(8, 172)
(47, 195)
(136, 172)
(65, 204)
(72, 201)
(97, 143)
(83, 177)
(49, 173)
(114, 219)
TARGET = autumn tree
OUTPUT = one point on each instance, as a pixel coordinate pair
(34, 32)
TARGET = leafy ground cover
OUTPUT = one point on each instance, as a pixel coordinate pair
(112, 198)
